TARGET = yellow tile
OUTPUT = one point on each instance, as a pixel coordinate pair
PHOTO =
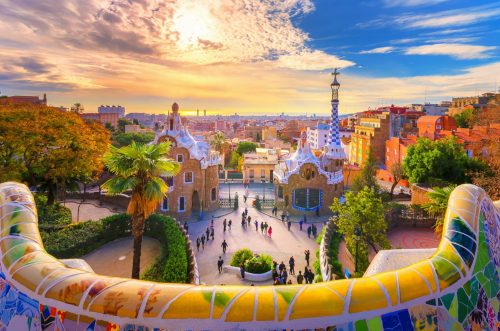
(388, 280)
(198, 300)
(243, 307)
(411, 285)
(265, 306)
(160, 296)
(366, 294)
(317, 301)
(223, 296)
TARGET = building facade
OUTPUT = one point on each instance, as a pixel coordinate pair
(111, 118)
(372, 132)
(307, 181)
(20, 99)
(259, 166)
(195, 189)
(111, 109)
(430, 126)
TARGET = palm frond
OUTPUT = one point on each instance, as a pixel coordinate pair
(118, 185)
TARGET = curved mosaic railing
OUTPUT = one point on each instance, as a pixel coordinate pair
(457, 288)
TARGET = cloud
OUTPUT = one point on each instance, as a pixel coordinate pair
(379, 50)
(459, 51)
(411, 3)
(312, 60)
(459, 17)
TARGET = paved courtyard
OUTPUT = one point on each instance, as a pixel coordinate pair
(115, 258)
(90, 210)
(281, 246)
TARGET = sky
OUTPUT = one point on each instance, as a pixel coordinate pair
(248, 56)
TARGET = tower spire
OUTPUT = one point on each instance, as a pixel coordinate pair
(334, 148)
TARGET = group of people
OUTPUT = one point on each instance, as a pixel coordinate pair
(227, 224)
(246, 220)
(312, 230)
(281, 274)
(209, 234)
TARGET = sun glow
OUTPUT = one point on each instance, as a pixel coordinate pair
(194, 24)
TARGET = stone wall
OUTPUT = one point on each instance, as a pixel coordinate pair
(419, 195)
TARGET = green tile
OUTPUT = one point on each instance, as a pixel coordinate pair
(361, 325)
(446, 299)
(375, 324)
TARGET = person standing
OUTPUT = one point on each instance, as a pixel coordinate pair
(249, 219)
(306, 275)
(291, 263)
(212, 233)
(289, 225)
(283, 217)
(220, 262)
(229, 224)
(256, 226)
(309, 231)
(203, 241)
(224, 247)
(270, 232)
(307, 254)
(300, 278)
(300, 224)
(284, 276)
(314, 230)
(281, 267)
(224, 224)
(207, 232)
(262, 227)
(198, 242)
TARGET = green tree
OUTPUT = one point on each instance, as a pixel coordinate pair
(125, 139)
(363, 211)
(367, 176)
(77, 108)
(465, 118)
(439, 197)
(441, 160)
(48, 148)
(246, 147)
(139, 168)
(121, 124)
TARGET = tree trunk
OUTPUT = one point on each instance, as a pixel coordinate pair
(50, 195)
(137, 232)
(395, 182)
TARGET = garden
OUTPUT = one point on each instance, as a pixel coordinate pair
(64, 239)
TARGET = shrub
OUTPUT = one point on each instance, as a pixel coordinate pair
(333, 253)
(172, 266)
(241, 256)
(51, 217)
(257, 203)
(259, 264)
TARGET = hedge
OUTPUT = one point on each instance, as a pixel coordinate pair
(333, 252)
(52, 217)
(240, 256)
(172, 265)
(78, 239)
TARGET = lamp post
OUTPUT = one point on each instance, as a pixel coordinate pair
(263, 189)
(229, 182)
(357, 237)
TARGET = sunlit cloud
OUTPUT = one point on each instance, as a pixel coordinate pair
(379, 50)
(459, 51)
(411, 3)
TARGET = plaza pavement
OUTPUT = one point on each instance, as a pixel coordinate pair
(90, 210)
(281, 246)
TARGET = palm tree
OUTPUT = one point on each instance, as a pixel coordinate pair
(77, 108)
(219, 143)
(139, 168)
(439, 197)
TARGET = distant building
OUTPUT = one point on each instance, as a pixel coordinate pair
(317, 136)
(474, 139)
(195, 189)
(430, 126)
(259, 166)
(458, 105)
(269, 133)
(136, 129)
(145, 119)
(252, 131)
(20, 99)
(396, 149)
(372, 132)
(111, 109)
(111, 118)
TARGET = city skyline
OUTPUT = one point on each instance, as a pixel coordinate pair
(259, 56)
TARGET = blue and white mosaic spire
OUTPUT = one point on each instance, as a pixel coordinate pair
(335, 150)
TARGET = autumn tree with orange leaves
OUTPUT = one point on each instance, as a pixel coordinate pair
(48, 148)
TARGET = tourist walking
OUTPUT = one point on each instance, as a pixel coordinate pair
(281, 267)
(207, 232)
(309, 229)
(256, 226)
(307, 254)
(289, 225)
(220, 262)
(212, 233)
(300, 224)
(270, 232)
(291, 263)
(224, 224)
(198, 242)
(249, 219)
(283, 217)
(306, 275)
(229, 224)
(203, 241)
(314, 231)
(300, 278)
(262, 227)
(225, 245)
